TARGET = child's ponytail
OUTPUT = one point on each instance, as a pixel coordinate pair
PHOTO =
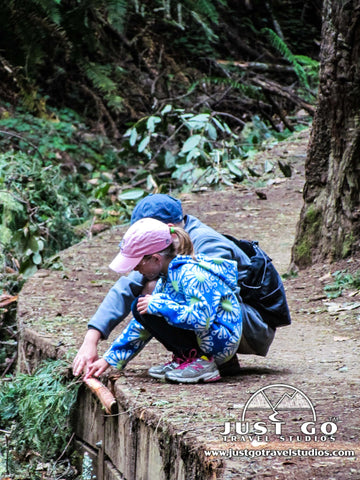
(182, 244)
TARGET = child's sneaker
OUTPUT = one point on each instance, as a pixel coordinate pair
(159, 371)
(194, 370)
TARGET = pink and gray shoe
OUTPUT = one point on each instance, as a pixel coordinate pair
(194, 370)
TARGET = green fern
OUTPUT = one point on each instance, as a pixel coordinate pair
(117, 10)
(186, 12)
(99, 75)
(205, 9)
(35, 26)
(310, 66)
(246, 89)
(208, 31)
(281, 47)
(51, 9)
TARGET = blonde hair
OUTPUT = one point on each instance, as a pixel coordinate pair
(182, 244)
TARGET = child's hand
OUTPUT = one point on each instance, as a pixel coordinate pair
(142, 304)
(97, 368)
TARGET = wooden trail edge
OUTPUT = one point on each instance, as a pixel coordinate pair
(107, 399)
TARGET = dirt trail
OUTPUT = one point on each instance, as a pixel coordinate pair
(314, 360)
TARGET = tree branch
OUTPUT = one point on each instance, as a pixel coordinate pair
(276, 89)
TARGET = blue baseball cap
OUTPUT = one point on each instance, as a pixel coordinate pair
(160, 206)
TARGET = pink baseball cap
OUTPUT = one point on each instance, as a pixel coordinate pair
(144, 237)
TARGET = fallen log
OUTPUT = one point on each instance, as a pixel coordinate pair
(258, 66)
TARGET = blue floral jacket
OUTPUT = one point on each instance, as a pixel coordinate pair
(196, 295)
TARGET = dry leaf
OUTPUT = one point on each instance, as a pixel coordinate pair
(7, 299)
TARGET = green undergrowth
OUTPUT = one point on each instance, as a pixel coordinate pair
(201, 152)
(343, 280)
(58, 178)
(35, 414)
(52, 178)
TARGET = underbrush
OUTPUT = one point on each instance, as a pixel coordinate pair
(342, 280)
(35, 415)
(59, 180)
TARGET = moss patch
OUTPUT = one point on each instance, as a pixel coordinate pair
(309, 237)
(347, 246)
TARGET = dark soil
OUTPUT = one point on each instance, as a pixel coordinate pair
(317, 354)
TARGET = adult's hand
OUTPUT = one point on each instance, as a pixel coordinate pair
(87, 353)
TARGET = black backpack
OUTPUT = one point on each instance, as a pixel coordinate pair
(262, 287)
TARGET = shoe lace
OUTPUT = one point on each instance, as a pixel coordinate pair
(175, 359)
(190, 359)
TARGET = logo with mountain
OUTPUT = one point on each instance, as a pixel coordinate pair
(276, 398)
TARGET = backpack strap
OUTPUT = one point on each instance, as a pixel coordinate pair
(262, 287)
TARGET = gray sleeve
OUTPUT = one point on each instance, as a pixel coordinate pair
(212, 246)
(117, 303)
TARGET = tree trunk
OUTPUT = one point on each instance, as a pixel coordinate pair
(329, 226)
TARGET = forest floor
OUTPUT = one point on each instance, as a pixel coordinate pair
(313, 364)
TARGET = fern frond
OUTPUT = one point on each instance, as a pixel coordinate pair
(51, 9)
(205, 9)
(212, 37)
(116, 13)
(99, 76)
(307, 61)
(282, 48)
(247, 90)
(311, 68)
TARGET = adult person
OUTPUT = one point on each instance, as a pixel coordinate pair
(257, 333)
(194, 310)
